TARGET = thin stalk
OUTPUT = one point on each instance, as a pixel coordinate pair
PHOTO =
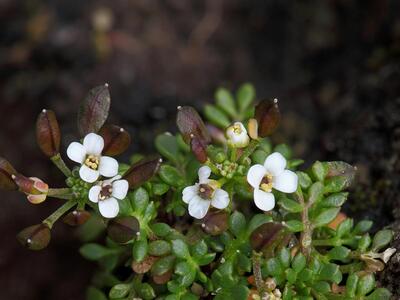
(59, 162)
(64, 193)
(249, 151)
(257, 275)
(306, 234)
(50, 220)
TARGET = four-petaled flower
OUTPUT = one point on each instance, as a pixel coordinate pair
(107, 193)
(89, 155)
(271, 175)
(203, 194)
(237, 135)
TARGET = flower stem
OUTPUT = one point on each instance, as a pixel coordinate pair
(50, 220)
(249, 151)
(306, 234)
(64, 193)
(59, 162)
(257, 274)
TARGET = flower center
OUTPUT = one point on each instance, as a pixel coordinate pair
(266, 183)
(237, 129)
(106, 192)
(205, 191)
(92, 162)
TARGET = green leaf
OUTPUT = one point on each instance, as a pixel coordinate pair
(119, 291)
(257, 221)
(284, 150)
(139, 250)
(216, 116)
(244, 263)
(380, 294)
(274, 267)
(291, 275)
(304, 180)
(205, 259)
(351, 285)
(167, 146)
(364, 242)
(180, 249)
(366, 284)
(160, 189)
(93, 251)
(335, 184)
(362, 227)
(171, 176)
(225, 102)
(315, 192)
(319, 170)
(335, 200)
(186, 272)
(245, 96)
(381, 239)
(284, 257)
(159, 248)
(339, 253)
(330, 272)
(161, 229)
(326, 216)
(322, 286)
(299, 262)
(93, 293)
(146, 292)
(238, 292)
(139, 199)
(237, 223)
(294, 225)
(163, 265)
(344, 227)
(290, 205)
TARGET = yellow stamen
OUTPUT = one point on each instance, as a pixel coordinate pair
(92, 162)
(266, 183)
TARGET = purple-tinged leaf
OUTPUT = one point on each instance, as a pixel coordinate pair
(142, 171)
(116, 140)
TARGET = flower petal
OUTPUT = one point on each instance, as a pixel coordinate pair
(87, 174)
(286, 182)
(263, 200)
(93, 144)
(108, 166)
(198, 207)
(189, 192)
(204, 173)
(220, 199)
(94, 193)
(275, 163)
(255, 175)
(120, 189)
(76, 152)
(109, 208)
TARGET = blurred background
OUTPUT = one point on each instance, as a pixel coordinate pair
(334, 65)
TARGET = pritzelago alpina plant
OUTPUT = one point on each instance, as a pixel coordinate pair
(226, 215)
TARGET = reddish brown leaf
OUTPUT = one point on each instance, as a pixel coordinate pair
(145, 265)
(142, 171)
(123, 229)
(164, 278)
(215, 222)
(77, 217)
(191, 125)
(94, 110)
(6, 172)
(35, 237)
(199, 149)
(116, 140)
(48, 133)
(268, 117)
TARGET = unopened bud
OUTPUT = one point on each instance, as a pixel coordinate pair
(123, 229)
(116, 140)
(48, 133)
(35, 237)
(237, 135)
(77, 217)
(6, 172)
(35, 189)
(252, 126)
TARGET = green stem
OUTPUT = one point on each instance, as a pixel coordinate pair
(64, 193)
(306, 234)
(213, 168)
(249, 151)
(50, 220)
(59, 162)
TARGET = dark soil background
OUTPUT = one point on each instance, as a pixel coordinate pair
(334, 65)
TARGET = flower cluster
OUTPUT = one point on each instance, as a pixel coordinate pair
(226, 214)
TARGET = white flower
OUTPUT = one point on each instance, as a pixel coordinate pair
(203, 194)
(237, 135)
(271, 175)
(89, 155)
(107, 193)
